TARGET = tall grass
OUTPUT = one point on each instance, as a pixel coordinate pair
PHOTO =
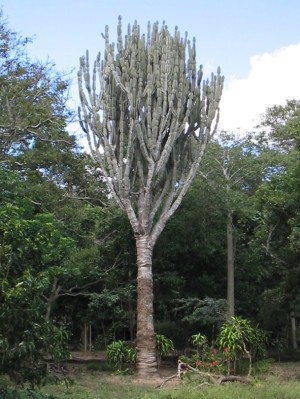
(231, 391)
(102, 389)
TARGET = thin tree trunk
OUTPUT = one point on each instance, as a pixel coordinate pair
(230, 266)
(52, 298)
(146, 353)
(294, 331)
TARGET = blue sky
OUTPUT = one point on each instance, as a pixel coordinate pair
(256, 42)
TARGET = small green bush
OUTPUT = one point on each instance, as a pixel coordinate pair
(238, 337)
(205, 357)
(121, 355)
(164, 345)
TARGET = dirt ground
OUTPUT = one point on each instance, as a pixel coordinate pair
(78, 367)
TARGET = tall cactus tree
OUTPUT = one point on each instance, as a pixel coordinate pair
(148, 116)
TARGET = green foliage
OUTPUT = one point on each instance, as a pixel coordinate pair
(191, 302)
(207, 358)
(234, 335)
(164, 346)
(33, 102)
(29, 241)
(208, 311)
(176, 331)
(57, 224)
(199, 341)
(4, 383)
(238, 336)
(121, 355)
(25, 394)
(276, 235)
(26, 338)
(33, 250)
(282, 122)
(107, 309)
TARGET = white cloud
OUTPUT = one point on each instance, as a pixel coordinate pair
(273, 79)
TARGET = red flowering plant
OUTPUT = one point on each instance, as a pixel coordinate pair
(214, 362)
(207, 358)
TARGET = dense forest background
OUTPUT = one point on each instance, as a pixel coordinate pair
(67, 253)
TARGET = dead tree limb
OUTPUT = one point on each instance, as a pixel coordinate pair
(213, 379)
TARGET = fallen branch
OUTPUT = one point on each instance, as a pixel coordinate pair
(166, 380)
(205, 383)
(184, 367)
(231, 378)
(213, 378)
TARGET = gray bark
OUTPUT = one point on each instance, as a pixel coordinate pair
(294, 332)
(54, 294)
(145, 323)
(230, 267)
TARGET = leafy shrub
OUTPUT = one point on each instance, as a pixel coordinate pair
(237, 336)
(199, 341)
(206, 358)
(121, 355)
(32, 247)
(164, 346)
(22, 356)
